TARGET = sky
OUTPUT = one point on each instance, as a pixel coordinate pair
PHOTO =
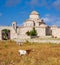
(19, 11)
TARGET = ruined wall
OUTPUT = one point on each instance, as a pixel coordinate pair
(48, 31)
(22, 32)
(12, 32)
(41, 31)
(56, 32)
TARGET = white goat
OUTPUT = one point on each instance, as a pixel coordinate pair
(22, 52)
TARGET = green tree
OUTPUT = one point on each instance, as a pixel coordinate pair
(32, 32)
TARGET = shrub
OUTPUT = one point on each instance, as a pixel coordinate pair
(28, 33)
(33, 32)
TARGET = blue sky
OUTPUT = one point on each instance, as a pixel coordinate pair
(19, 11)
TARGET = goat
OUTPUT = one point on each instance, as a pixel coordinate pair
(24, 52)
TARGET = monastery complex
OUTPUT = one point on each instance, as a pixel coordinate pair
(35, 21)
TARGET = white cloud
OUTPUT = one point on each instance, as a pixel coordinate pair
(47, 3)
(12, 2)
(52, 20)
(33, 2)
(36, 2)
(56, 4)
(0, 14)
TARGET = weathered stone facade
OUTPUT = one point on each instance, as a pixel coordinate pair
(34, 20)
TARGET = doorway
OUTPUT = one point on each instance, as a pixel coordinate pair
(5, 34)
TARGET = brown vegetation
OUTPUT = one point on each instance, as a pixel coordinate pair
(41, 54)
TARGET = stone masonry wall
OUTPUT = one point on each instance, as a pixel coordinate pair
(56, 32)
(12, 32)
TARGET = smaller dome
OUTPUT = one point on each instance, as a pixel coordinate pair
(34, 13)
(14, 22)
(53, 26)
(43, 25)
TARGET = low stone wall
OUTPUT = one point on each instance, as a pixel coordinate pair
(45, 41)
(37, 41)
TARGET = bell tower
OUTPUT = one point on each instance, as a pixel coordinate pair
(14, 25)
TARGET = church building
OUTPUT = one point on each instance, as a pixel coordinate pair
(34, 20)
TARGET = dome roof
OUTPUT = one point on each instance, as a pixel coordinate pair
(34, 13)
(43, 25)
(54, 26)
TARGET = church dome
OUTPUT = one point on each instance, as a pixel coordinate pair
(54, 26)
(43, 25)
(34, 13)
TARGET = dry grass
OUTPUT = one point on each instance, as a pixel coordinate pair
(42, 54)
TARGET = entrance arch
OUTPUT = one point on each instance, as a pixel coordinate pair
(5, 34)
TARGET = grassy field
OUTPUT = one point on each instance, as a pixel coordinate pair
(42, 54)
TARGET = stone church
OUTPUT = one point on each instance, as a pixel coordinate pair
(35, 21)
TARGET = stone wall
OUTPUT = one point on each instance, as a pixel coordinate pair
(13, 34)
(41, 31)
(56, 32)
(22, 32)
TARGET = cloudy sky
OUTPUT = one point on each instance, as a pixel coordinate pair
(19, 11)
